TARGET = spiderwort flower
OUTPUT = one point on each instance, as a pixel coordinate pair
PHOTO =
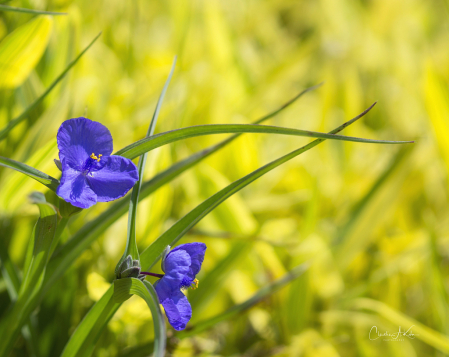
(181, 265)
(90, 174)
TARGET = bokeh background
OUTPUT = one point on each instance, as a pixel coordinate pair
(371, 220)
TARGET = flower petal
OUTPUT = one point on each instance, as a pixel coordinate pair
(78, 138)
(74, 188)
(177, 266)
(177, 308)
(196, 252)
(114, 180)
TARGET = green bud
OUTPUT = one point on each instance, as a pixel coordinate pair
(132, 272)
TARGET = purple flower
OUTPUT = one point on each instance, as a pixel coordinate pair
(180, 266)
(90, 174)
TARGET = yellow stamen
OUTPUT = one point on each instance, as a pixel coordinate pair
(93, 156)
(195, 284)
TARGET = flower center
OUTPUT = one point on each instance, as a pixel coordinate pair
(90, 163)
(188, 283)
(94, 157)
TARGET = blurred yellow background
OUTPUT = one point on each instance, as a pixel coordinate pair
(371, 220)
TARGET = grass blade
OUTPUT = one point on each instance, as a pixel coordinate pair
(124, 287)
(144, 145)
(83, 340)
(43, 235)
(152, 254)
(29, 11)
(11, 125)
(131, 245)
(39, 176)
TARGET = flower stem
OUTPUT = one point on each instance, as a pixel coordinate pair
(152, 274)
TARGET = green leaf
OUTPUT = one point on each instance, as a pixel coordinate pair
(131, 245)
(21, 50)
(82, 341)
(11, 278)
(155, 141)
(150, 256)
(39, 176)
(42, 238)
(4, 132)
(122, 290)
(44, 233)
(29, 11)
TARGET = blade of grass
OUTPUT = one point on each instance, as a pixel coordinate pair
(131, 245)
(146, 291)
(42, 237)
(29, 11)
(144, 145)
(151, 255)
(82, 341)
(39, 176)
(12, 124)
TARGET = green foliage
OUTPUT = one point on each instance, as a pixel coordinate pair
(369, 220)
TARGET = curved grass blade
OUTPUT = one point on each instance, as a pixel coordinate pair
(82, 341)
(124, 287)
(39, 176)
(42, 237)
(11, 125)
(144, 145)
(152, 254)
(131, 245)
(84, 237)
(29, 11)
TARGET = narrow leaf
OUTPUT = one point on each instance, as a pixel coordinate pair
(42, 237)
(144, 145)
(131, 245)
(39, 176)
(150, 256)
(82, 341)
(124, 287)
